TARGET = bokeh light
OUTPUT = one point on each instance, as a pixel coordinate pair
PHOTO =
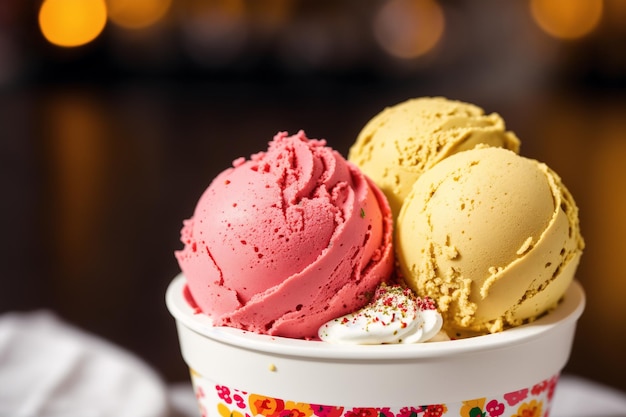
(614, 13)
(215, 31)
(72, 22)
(409, 28)
(270, 15)
(137, 14)
(567, 19)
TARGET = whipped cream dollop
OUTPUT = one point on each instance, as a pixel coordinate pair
(395, 315)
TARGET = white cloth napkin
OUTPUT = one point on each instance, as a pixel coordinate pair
(49, 368)
(579, 397)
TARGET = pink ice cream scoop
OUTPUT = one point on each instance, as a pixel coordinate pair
(285, 241)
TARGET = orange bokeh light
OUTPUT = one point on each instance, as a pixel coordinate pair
(71, 23)
(409, 28)
(137, 14)
(567, 19)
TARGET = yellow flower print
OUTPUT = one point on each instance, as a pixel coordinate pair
(530, 409)
(473, 408)
(265, 406)
(226, 412)
(194, 373)
(293, 409)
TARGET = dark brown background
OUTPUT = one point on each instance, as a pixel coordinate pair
(103, 153)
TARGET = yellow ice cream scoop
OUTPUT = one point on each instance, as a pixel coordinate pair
(397, 145)
(491, 236)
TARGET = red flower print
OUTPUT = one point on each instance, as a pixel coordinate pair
(552, 386)
(326, 410)
(515, 397)
(385, 412)
(362, 412)
(293, 409)
(495, 408)
(435, 410)
(240, 401)
(409, 412)
(539, 388)
(224, 393)
(265, 406)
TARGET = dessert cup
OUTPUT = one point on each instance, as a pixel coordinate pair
(237, 373)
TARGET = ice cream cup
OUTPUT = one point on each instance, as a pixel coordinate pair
(237, 373)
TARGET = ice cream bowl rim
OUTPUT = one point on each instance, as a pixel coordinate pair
(570, 309)
(443, 371)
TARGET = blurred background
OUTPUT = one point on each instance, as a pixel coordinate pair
(115, 115)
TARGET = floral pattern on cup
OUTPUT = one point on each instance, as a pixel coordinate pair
(216, 400)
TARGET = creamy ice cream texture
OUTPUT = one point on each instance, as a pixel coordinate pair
(297, 238)
(394, 316)
(493, 237)
(397, 145)
(287, 240)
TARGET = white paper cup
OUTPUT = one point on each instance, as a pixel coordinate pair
(237, 373)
